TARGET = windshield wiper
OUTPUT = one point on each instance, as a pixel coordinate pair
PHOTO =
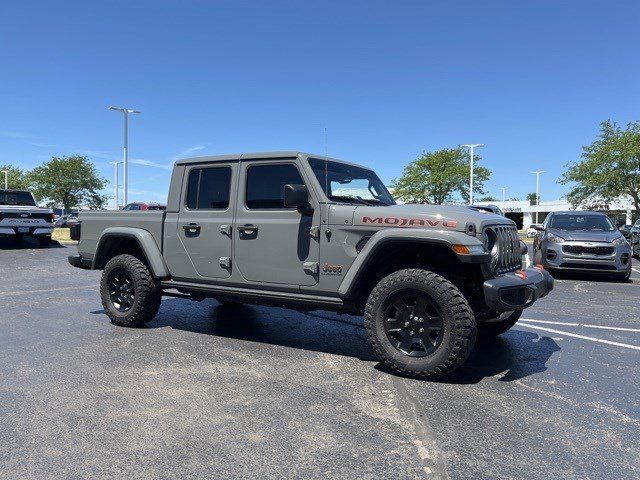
(368, 201)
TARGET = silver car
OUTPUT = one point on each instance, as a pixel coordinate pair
(584, 242)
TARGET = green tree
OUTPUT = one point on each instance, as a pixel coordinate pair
(532, 198)
(17, 178)
(69, 181)
(435, 177)
(487, 198)
(608, 168)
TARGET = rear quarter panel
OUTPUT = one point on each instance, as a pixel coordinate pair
(94, 223)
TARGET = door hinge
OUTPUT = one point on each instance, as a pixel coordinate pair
(310, 267)
(314, 232)
(226, 229)
(225, 262)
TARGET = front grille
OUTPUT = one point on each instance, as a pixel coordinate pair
(582, 250)
(504, 244)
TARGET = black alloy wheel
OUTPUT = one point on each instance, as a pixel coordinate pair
(414, 323)
(121, 290)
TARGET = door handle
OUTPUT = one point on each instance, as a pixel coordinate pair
(192, 227)
(248, 229)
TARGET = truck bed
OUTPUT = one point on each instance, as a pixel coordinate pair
(93, 224)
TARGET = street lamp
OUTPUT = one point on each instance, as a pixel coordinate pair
(504, 189)
(6, 179)
(115, 179)
(125, 160)
(538, 172)
(471, 147)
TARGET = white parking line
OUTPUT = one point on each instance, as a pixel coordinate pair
(635, 270)
(571, 324)
(583, 337)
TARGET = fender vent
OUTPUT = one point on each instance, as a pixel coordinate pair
(360, 245)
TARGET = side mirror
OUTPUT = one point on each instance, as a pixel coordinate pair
(537, 226)
(297, 196)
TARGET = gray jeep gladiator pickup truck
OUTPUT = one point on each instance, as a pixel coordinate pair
(313, 233)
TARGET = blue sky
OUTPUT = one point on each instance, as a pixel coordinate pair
(531, 80)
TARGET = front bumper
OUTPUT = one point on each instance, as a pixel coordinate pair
(512, 291)
(555, 256)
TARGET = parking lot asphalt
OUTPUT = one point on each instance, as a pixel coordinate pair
(208, 391)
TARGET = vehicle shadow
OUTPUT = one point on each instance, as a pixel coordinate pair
(516, 354)
(314, 331)
(26, 244)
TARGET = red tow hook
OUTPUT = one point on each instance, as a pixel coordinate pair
(521, 273)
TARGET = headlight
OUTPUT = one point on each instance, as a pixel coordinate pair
(554, 238)
(619, 241)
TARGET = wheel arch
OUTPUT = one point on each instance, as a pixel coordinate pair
(388, 251)
(134, 241)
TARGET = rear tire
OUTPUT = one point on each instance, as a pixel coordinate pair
(439, 311)
(128, 292)
(492, 329)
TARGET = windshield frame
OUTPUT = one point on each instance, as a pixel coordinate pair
(606, 219)
(385, 198)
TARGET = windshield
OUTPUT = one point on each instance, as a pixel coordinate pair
(16, 198)
(350, 183)
(586, 222)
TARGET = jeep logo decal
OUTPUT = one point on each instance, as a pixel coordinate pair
(409, 222)
(329, 269)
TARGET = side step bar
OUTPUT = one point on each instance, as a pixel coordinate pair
(267, 296)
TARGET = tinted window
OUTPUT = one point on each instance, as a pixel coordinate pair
(132, 206)
(209, 188)
(16, 198)
(265, 184)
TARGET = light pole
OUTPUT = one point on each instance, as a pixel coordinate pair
(504, 189)
(115, 180)
(125, 160)
(538, 172)
(6, 179)
(471, 146)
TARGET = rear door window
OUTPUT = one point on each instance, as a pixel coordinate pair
(209, 188)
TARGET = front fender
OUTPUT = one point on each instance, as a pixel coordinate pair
(144, 239)
(386, 236)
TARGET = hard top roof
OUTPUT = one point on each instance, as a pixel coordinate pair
(279, 155)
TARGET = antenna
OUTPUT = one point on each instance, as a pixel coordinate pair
(326, 163)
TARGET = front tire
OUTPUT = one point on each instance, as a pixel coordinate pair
(493, 328)
(419, 324)
(128, 292)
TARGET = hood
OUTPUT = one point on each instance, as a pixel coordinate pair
(441, 217)
(588, 236)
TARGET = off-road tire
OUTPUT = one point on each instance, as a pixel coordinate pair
(498, 327)
(44, 241)
(147, 296)
(459, 324)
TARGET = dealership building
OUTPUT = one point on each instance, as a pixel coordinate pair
(620, 211)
